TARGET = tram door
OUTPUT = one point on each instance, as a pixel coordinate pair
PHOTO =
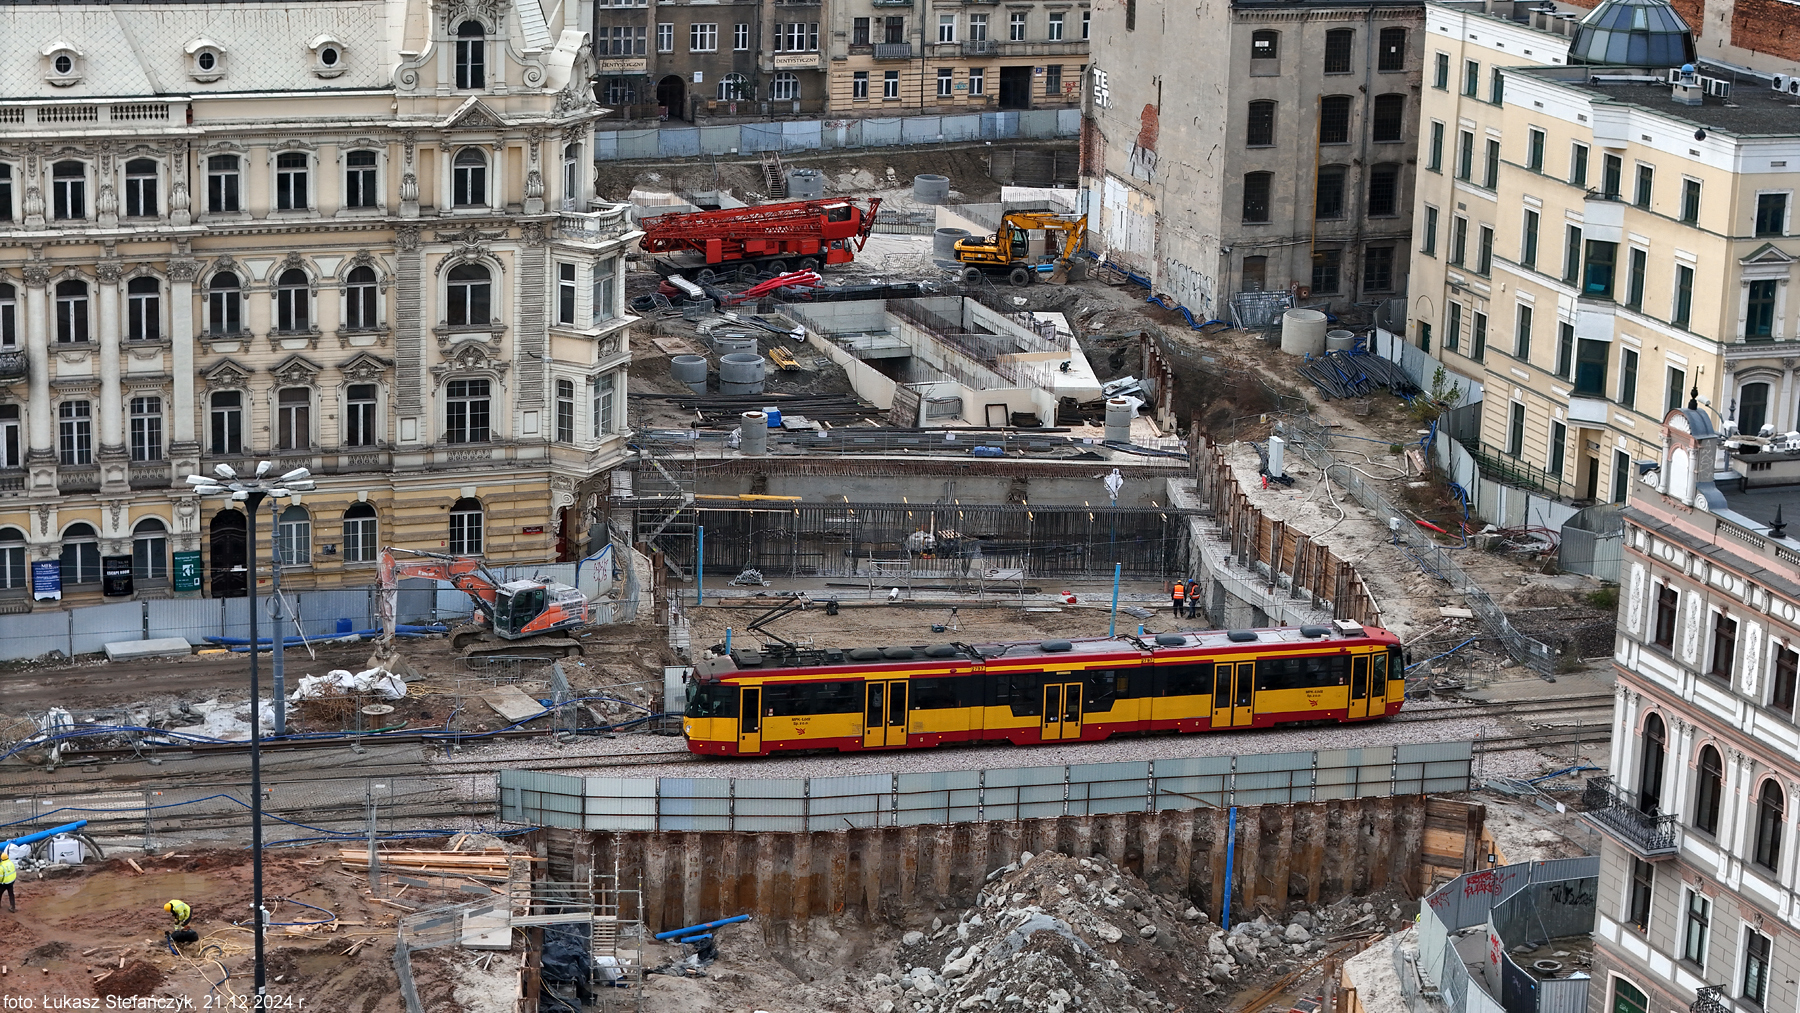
(884, 716)
(1062, 709)
(750, 720)
(1378, 680)
(1359, 686)
(1234, 688)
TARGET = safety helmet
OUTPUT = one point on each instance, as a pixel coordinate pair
(169, 907)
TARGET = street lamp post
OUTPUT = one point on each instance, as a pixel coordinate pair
(251, 492)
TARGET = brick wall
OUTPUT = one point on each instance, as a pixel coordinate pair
(1764, 26)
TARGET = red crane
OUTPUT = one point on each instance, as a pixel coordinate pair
(803, 234)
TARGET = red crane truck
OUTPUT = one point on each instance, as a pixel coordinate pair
(803, 235)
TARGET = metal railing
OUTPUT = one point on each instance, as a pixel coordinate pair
(1502, 467)
(1616, 811)
(894, 50)
(1710, 999)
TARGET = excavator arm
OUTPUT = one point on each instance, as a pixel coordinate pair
(465, 574)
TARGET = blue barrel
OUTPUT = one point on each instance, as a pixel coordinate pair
(345, 626)
(774, 415)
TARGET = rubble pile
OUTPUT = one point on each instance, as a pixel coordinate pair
(1057, 934)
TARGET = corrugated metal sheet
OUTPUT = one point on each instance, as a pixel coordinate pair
(770, 803)
(548, 800)
(694, 803)
(192, 618)
(620, 803)
(839, 803)
(945, 796)
(95, 626)
(1194, 782)
(1096, 788)
(1563, 995)
(318, 612)
(33, 635)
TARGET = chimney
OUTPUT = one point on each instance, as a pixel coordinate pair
(1686, 89)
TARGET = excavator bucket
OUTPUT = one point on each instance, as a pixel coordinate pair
(1059, 275)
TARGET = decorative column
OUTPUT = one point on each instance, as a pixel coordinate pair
(409, 338)
(184, 449)
(40, 436)
(409, 176)
(534, 175)
(112, 426)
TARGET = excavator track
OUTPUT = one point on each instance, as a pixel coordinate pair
(476, 642)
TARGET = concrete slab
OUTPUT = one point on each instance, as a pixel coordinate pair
(490, 931)
(510, 702)
(162, 647)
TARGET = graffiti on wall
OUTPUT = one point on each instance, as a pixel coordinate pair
(1143, 149)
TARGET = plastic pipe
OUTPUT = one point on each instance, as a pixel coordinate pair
(700, 571)
(693, 940)
(1118, 568)
(1230, 849)
(702, 927)
(66, 828)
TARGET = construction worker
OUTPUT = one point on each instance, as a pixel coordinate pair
(1193, 597)
(179, 910)
(9, 874)
(1176, 594)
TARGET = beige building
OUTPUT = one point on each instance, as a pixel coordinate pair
(1595, 242)
(350, 236)
(889, 57)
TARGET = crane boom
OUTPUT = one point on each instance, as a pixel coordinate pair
(833, 229)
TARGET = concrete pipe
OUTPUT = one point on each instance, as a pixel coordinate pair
(943, 242)
(754, 428)
(1119, 413)
(1303, 332)
(805, 184)
(929, 188)
(1340, 340)
(726, 344)
(691, 370)
(741, 373)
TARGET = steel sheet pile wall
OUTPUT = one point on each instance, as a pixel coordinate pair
(1473, 899)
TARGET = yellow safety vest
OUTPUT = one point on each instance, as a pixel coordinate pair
(8, 871)
(181, 912)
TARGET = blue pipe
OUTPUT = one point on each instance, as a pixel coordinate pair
(677, 933)
(66, 828)
(694, 940)
(1230, 849)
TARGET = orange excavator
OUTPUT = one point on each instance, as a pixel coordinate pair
(518, 617)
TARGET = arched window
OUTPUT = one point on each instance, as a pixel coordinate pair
(471, 55)
(80, 555)
(1329, 198)
(1391, 50)
(292, 301)
(468, 296)
(1265, 45)
(140, 188)
(1753, 408)
(785, 86)
(1256, 196)
(143, 309)
(361, 290)
(71, 311)
(1770, 809)
(361, 531)
(1650, 769)
(68, 184)
(224, 304)
(149, 551)
(469, 179)
(1389, 121)
(466, 528)
(1259, 132)
(293, 536)
(13, 574)
(734, 86)
(1339, 44)
(1709, 791)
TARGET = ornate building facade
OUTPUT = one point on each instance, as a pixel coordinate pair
(349, 236)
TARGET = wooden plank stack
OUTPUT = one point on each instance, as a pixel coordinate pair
(489, 864)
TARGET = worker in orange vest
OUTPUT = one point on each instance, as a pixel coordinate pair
(1176, 594)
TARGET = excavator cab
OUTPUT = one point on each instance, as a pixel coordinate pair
(515, 605)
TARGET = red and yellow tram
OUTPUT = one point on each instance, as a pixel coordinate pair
(752, 703)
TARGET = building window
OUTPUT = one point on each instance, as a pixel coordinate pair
(786, 85)
(1056, 28)
(1424, 336)
(1559, 449)
(1528, 242)
(146, 429)
(1378, 269)
(1759, 320)
(565, 294)
(1710, 792)
(1265, 45)
(1255, 274)
(293, 537)
(359, 415)
(1471, 78)
(222, 191)
(1667, 600)
(1724, 647)
(1325, 264)
(1384, 190)
(1753, 408)
(1590, 367)
(978, 80)
(12, 560)
(1053, 80)
(1497, 87)
(1637, 266)
(978, 27)
(1646, 179)
(1756, 958)
(1490, 168)
(565, 411)
(1391, 49)
(468, 293)
(1390, 117)
(1015, 26)
(1771, 212)
(1684, 296)
(604, 399)
(359, 180)
(1628, 366)
(471, 56)
(361, 532)
(80, 555)
(1571, 253)
(1643, 884)
(1334, 119)
(68, 182)
(1515, 431)
(1650, 765)
(1087, 19)
(6, 201)
(1534, 150)
(224, 304)
(1440, 75)
(946, 82)
(293, 297)
(140, 188)
(1434, 158)
(621, 90)
(859, 85)
(1690, 200)
(1578, 161)
(227, 418)
(1338, 44)
(1699, 920)
(740, 37)
(9, 316)
(1452, 327)
(1431, 229)
(1465, 154)
(466, 411)
(150, 551)
(894, 30)
(360, 293)
(1477, 335)
(293, 417)
(665, 38)
(1769, 809)
(1484, 251)
(469, 179)
(1522, 333)
(71, 311)
(1459, 240)
(465, 528)
(734, 87)
(1329, 197)
(1256, 196)
(1565, 349)
(604, 282)
(890, 84)
(75, 433)
(290, 181)
(1612, 176)
(143, 309)
(1781, 687)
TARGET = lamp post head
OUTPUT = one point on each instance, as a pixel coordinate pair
(224, 471)
(297, 475)
(263, 468)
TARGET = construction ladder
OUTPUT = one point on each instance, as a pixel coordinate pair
(773, 176)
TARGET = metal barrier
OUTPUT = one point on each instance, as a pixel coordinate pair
(1468, 901)
(973, 796)
(684, 140)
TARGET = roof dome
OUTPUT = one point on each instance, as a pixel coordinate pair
(1634, 33)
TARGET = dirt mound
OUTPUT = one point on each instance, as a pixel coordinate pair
(48, 951)
(134, 979)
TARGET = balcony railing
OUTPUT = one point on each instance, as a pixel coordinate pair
(984, 47)
(149, 474)
(1502, 467)
(1710, 999)
(12, 480)
(78, 478)
(13, 365)
(608, 222)
(1615, 811)
(893, 51)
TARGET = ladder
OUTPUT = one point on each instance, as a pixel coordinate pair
(773, 177)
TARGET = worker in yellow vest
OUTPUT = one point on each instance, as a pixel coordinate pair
(9, 874)
(179, 910)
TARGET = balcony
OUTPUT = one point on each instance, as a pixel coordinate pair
(986, 47)
(149, 474)
(1043, 49)
(13, 365)
(1504, 468)
(78, 478)
(12, 480)
(1710, 999)
(608, 222)
(893, 50)
(1613, 811)
(891, 3)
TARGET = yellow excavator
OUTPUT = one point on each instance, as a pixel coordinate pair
(1008, 252)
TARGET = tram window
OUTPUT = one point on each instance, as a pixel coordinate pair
(1300, 673)
(1186, 680)
(941, 694)
(1101, 687)
(712, 700)
(801, 698)
(1023, 692)
(1380, 687)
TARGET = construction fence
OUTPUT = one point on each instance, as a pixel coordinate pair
(668, 141)
(1472, 899)
(796, 805)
